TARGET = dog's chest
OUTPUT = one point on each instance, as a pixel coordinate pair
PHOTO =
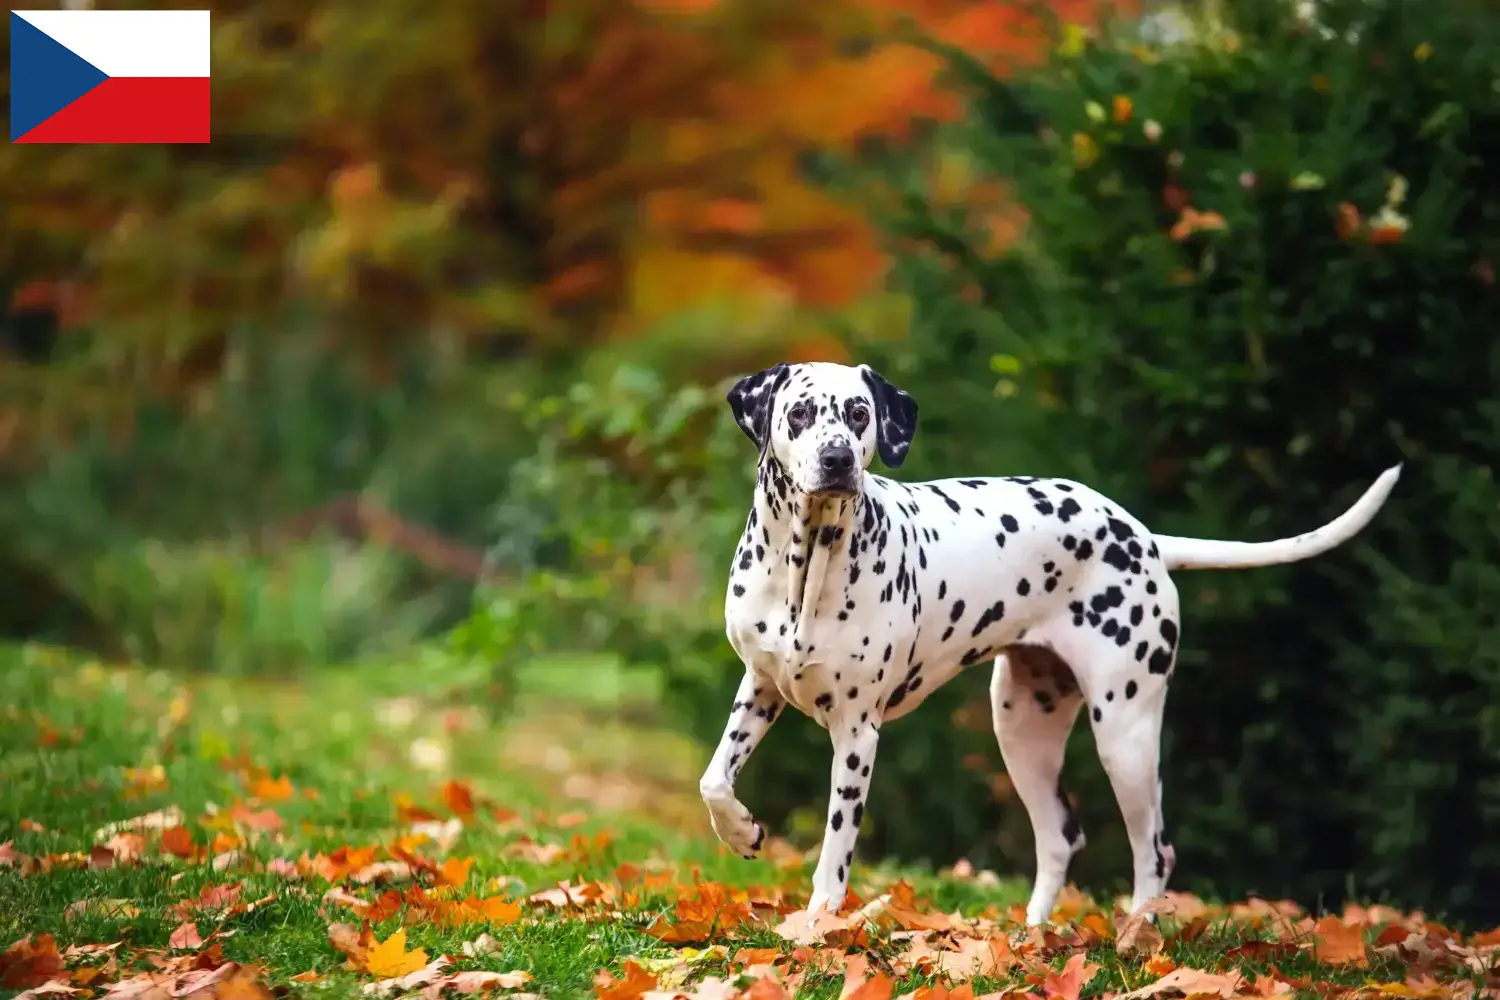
(793, 631)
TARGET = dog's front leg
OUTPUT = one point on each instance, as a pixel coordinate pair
(853, 759)
(756, 705)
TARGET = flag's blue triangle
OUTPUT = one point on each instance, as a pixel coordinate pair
(45, 77)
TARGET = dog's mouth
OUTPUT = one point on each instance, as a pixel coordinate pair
(830, 491)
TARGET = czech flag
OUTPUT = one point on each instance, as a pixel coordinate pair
(90, 76)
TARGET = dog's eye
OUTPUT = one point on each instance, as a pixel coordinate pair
(859, 416)
(800, 413)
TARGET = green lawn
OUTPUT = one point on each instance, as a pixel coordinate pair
(380, 797)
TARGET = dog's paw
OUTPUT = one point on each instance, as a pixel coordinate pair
(820, 901)
(737, 829)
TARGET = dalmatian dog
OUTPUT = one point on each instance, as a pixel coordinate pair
(852, 597)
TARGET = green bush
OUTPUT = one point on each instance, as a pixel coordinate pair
(1243, 370)
(201, 539)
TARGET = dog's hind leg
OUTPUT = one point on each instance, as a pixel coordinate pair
(1127, 721)
(1125, 683)
(1035, 700)
(757, 703)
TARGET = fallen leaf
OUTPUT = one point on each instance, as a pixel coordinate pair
(482, 945)
(51, 988)
(459, 798)
(340, 897)
(475, 980)
(390, 958)
(1269, 986)
(803, 927)
(354, 942)
(1338, 943)
(30, 962)
(1067, 984)
(185, 937)
(975, 957)
(269, 790)
(177, 840)
(423, 975)
(104, 909)
(1190, 982)
(634, 984)
(454, 871)
(1137, 936)
(1159, 965)
(856, 972)
(161, 819)
(877, 987)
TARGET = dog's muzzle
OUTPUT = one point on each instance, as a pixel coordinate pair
(839, 474)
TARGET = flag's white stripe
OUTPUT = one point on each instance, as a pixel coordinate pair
(131, 42)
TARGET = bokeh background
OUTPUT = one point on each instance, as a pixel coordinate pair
(417, 371)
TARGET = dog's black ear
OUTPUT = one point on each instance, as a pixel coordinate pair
(750, 401)
(895, 417)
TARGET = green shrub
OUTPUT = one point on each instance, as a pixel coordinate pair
(1244, 374)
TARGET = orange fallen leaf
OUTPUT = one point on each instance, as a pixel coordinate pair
(460, 799)
(30, 962)
(310, 976)
(1067, 984)
(1338, 943)
(635, 983)
(269, 790)
(389, 958)
(495, 909)
(1159, 965)
(178, 840)
(454, 871)
(877, 987)
(768, 988)
(856, 971)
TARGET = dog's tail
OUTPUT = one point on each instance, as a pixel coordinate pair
(1208, 553)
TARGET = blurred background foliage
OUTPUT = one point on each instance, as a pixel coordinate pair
(427, 350)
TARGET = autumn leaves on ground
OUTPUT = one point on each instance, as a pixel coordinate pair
(162, 837)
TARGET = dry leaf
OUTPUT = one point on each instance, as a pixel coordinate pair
(1067, 984)
(1137, 936)
(185, 937)
(877, 987)
(390, 958)
(1338, 943)
(51, 988)
(856, 971)
(30, 962)
(632, 987)
(423, 975)
(1190, 982)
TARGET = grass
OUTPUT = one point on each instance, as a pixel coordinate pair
(277, 782)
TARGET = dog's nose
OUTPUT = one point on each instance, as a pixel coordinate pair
(838, 459)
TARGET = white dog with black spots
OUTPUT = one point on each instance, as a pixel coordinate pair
(852, 597)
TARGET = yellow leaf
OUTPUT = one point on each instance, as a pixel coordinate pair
(390, 958)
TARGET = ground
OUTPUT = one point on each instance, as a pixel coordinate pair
(366, 832)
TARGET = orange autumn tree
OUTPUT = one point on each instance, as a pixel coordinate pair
(515, 177)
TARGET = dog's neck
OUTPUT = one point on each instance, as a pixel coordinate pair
(809, 536)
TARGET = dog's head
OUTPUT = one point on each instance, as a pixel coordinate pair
(824, 422)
